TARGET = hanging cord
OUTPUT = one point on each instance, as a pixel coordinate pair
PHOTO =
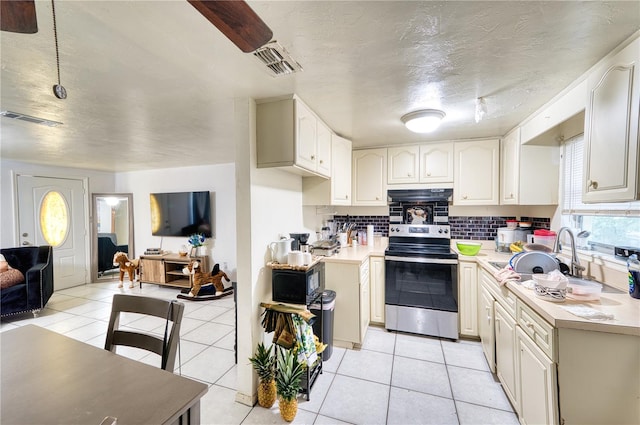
(58, 89)
(55, 37)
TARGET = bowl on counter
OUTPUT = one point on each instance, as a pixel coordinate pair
(468, 248)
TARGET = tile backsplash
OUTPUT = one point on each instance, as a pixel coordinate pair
(462, 227)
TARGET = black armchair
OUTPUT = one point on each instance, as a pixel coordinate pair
(106, 250)
(36, 263)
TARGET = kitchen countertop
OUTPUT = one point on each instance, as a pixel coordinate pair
(625, 309)
(358, 253)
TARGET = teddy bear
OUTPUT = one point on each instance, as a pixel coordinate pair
(130, 266)
(201, 278)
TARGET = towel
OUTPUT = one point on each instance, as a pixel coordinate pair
(587, 312)
(506, 274)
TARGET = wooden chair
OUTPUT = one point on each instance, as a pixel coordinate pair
(166, 347)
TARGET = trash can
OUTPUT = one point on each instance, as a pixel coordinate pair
(326, 333)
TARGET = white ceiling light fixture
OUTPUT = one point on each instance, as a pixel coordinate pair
(424, 120)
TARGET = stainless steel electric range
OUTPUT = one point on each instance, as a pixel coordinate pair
(421, 274)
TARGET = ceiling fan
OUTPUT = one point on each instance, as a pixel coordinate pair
(235, 19)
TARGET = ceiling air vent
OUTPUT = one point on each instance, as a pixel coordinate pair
(29, 118)
(277, 59)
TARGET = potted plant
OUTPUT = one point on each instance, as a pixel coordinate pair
(197, 242)
(264, 365)
(288, 383)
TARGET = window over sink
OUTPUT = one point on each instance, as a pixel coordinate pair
(608, 224)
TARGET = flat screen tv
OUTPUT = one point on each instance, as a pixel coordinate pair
(181, 214)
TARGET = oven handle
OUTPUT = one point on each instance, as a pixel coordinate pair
(422, 260)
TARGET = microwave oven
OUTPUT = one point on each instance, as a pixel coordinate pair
(297, 286)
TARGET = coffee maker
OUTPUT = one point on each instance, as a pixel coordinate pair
(299, 242)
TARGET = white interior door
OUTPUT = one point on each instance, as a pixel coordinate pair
(51, 211)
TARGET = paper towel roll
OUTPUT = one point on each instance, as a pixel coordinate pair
(370, 240)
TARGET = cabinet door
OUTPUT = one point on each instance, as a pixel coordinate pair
(611, 129)
(365, 311)
(505, 329)
(403, 163)
(306, 136)
(341, 171)
(323, 149)
(476, 172)
(468, 298)
(377, 288)
(436, 163)
(485, 326)
(510, 166)
(370, 177)
(536, 383)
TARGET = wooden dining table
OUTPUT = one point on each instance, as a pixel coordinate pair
(48, 378)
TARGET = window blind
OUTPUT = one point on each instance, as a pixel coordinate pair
(573, 160)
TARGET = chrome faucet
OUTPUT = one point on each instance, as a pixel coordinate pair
(576, 268)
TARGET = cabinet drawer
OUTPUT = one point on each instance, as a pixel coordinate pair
(502, 294)
(540, 331)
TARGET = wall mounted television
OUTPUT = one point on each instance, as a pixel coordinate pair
(181, 214)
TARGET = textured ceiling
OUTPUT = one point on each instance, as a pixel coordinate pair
(152, 83)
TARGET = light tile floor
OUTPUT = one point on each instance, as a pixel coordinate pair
(395, 378)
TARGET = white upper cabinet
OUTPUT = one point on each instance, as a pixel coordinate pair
(290, 135)
(611, 129)
(336, 190)
(428, 163)
(529, 173)
(370, 177)
(323, 149)
(403, 164)
(476, 171)
(436, 163)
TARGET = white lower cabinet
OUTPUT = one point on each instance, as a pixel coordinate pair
(351, 315)
(468, 298)
(505, 334)
(376, 279)
(485, 326)
(537, 383)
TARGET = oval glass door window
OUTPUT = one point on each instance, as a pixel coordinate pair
(54, 218)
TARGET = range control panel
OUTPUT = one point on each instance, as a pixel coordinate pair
(420, 231)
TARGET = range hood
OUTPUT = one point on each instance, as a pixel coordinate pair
(419, 195)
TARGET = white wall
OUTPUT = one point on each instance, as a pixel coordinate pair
(219, 179)
(98, 181)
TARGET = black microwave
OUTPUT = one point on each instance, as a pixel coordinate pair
(297, 286)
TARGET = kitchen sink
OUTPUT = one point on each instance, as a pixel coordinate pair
(606, 289)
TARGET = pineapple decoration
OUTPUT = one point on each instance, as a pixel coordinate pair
(288, 383)
(264, 365)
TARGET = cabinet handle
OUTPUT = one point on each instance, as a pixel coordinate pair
(377, 198)
(321, 162)
(593, 184)
(529, 325)
(464, 196)
(313, 157)
(428, 174)
(346, 196)
(408, 174)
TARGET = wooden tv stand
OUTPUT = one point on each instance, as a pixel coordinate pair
(166, 269)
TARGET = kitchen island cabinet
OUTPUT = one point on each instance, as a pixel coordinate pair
(611, 155)
(476, 172)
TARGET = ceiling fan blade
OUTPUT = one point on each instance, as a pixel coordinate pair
(237, 21)
(18, 16)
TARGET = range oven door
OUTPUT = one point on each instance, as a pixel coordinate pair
(421, 295)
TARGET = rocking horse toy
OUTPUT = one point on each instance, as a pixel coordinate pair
(200, 279)
(130, 266)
